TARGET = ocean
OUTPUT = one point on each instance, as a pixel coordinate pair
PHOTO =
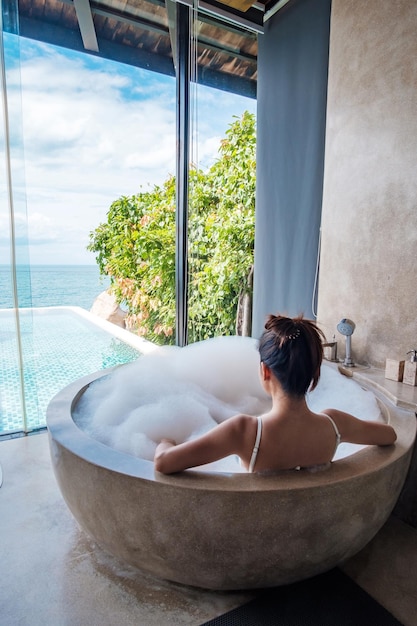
(52, 285)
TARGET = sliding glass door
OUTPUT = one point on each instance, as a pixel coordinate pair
(14, 248)
(80, 134)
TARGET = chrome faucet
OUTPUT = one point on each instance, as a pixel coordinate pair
(331, 353)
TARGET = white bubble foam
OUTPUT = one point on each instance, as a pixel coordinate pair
(181, 393)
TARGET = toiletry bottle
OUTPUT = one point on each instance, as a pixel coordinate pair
(410, 369)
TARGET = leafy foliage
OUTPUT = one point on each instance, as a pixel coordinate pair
(136, 246)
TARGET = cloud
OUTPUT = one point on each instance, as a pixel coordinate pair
(94, 130)
(36, 228)
(81, 114)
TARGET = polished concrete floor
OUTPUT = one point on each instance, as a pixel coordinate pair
(52, 574)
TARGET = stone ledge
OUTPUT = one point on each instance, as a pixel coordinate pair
(404, 396)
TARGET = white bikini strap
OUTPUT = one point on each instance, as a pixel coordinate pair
(336, 430)
(256, 446)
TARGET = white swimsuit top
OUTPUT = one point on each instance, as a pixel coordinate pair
(256, 446)
(336, 430)
(259, 435)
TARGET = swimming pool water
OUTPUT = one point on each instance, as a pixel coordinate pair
(58, 346)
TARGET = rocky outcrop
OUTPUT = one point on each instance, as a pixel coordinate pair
(106, 307)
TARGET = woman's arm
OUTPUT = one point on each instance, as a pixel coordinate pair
(226, 438)
(354, 430)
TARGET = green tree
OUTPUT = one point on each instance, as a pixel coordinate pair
(136, 245)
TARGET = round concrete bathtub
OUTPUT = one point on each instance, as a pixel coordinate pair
(225, 531)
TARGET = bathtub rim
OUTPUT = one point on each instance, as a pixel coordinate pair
(64, 431)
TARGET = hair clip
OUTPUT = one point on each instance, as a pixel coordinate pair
(294, 334)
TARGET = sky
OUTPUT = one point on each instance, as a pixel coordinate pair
(84, 132)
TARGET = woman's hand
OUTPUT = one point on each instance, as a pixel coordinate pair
(170, 442)
(164, 445)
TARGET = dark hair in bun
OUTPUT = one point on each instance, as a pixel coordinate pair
(292, 349)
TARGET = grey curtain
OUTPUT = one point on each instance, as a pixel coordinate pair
(291, 119)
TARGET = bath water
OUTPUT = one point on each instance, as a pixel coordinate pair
(181, 393)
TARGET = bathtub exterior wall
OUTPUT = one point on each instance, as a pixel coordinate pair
(369, 215)
(226, 531)
(241, 532)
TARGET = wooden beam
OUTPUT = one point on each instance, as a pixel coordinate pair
(240, 5)
(86, 24)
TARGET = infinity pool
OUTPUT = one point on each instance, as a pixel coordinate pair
(59, 345)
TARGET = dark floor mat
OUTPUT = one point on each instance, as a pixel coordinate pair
(331, 599)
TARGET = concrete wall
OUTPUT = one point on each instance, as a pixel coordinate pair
(369, 228)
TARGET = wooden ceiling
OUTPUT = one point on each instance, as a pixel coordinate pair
(240, 5)
(139, 32)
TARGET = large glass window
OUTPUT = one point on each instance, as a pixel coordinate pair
(84, 131)
(222, 181)
(89, 138)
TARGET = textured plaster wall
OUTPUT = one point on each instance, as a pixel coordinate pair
(368, 267)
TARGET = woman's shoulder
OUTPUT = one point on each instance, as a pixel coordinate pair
(340, 418)
(242, 421)
(336, 414)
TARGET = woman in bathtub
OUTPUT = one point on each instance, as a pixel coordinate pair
(290, 435)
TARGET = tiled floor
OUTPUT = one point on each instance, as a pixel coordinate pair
(53, 575)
